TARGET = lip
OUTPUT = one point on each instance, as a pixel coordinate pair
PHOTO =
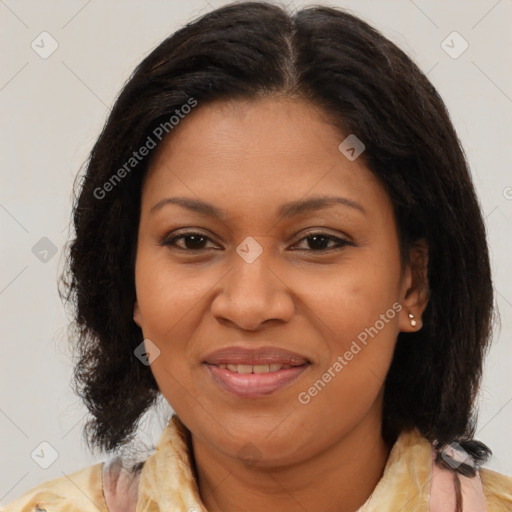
(260, 355)
(255, 385)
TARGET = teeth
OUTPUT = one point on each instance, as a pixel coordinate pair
(260, 368)
(256, 368)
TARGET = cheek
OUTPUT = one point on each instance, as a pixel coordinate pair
(359, 321)
(354, 296)
(163, 300)
(168, 306)
(358, 306)
(172, 300)
(166, 291)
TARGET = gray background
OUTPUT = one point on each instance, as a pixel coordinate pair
(53, 109)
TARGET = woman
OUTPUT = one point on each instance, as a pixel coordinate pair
(277, 232)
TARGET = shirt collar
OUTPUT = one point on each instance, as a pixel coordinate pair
(168, 481)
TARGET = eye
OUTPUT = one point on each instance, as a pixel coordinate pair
(196, 242)
(318, 242)
(191, 241)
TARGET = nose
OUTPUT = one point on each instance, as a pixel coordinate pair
(253, 294)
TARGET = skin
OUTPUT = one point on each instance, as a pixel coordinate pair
(248, 158)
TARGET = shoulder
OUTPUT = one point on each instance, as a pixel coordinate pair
(81, 491)
(497, 489)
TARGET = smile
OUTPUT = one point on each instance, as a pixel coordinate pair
(256, 368)
(254, 381)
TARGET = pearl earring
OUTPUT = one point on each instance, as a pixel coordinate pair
(413, 322)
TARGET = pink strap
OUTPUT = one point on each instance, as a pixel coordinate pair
(120, 487)
(442, 491)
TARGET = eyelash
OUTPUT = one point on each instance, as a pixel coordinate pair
(341, 242)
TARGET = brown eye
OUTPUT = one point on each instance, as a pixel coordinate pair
(319, 242)
(191, 241)
(316, 242)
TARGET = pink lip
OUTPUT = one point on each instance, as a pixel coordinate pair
(260, 355)
(254, 385)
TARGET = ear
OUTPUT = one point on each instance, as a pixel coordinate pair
(137, 317)
(414, 291)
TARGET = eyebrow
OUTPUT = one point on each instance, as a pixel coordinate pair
(286, 210)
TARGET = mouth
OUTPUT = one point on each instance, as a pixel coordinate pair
(255, 373)
(254, 368)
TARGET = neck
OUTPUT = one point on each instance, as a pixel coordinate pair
(340, 479)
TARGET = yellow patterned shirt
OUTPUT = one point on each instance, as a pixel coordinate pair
(166, 483)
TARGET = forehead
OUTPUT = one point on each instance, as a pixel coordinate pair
(251, 152)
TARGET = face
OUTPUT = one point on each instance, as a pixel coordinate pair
(311, 293)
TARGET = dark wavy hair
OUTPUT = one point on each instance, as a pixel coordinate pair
(365, 85)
